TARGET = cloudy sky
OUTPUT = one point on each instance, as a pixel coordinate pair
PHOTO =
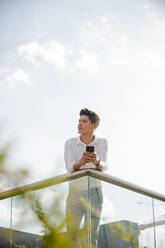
(58, 57)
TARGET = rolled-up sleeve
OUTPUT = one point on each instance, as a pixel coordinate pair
(69, 157)
(103, 154)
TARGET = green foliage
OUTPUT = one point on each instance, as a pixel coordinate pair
(10, 176)
(53, 236)
(51, 230)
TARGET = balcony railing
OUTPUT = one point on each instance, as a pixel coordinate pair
(128, 216)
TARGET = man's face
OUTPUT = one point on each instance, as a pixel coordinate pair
(85, 126)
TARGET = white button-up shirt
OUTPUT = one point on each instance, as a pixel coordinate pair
(74, 149)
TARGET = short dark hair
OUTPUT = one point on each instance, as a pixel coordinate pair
(93, 117)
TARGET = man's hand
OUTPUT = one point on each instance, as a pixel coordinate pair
(88, 157)
(91, 157)
(84, 159)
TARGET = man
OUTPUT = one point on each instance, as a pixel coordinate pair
(76, 158)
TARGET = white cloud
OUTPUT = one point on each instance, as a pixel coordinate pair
(104, 19)
(10, 78)
(4, 70)
(58, 54)
(96, 32)
(122, 40)
(19, 75)
(29, 51)
(51, 52)
(125, 51)
(153, 57)
(146, 6)
(155, 27)
(88, 62)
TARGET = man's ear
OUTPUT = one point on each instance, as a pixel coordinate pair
(95, 125)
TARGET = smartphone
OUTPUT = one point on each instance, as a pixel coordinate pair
(90, 148)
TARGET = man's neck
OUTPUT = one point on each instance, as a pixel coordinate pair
(87, 139)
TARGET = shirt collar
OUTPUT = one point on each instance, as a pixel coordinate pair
(79, 142)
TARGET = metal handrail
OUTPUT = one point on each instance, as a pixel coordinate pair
(152, 224)
(89, 172)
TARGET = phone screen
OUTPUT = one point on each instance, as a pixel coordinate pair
(90, 149)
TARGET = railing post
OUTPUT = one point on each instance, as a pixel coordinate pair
(153, 212)
(11, 222)
(89, 214)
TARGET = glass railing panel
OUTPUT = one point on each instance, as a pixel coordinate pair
(159, 212)
(51, 215)
(78, 212)
(5, 222)
(119, 217)
(26, 226)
